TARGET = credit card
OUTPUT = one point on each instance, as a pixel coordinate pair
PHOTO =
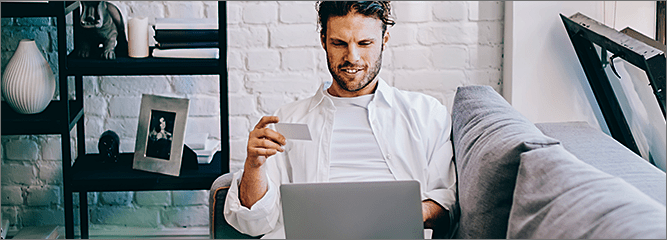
(294, 131)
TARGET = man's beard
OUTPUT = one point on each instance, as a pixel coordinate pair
(370, 75)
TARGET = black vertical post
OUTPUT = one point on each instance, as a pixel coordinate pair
(80, 128)
(65, 127)
(83, 213)
(604, 93)
(224, 100)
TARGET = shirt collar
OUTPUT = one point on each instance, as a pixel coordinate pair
(383, 93)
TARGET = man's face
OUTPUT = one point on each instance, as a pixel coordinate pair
(354, 45)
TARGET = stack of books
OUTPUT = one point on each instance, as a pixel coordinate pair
(186, 38)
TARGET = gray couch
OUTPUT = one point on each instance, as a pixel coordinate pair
(517, 179)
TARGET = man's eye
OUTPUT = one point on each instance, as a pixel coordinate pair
(338, 43)
(365, 43)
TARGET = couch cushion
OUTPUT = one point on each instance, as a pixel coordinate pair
(559, 196)
(488, 136)
(599, 150)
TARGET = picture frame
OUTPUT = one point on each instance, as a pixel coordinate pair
(161, 134)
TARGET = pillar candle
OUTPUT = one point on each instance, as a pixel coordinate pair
(137, 37)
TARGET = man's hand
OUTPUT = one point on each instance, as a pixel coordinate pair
(262, 143)
(434, 214)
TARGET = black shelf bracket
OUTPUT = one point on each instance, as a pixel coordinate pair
(645, 56)
(584, 32)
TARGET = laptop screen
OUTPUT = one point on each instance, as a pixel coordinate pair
(359, 210)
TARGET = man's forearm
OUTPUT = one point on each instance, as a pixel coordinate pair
(253, 185)
(434, 214)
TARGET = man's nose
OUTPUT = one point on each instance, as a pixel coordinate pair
(353, 54)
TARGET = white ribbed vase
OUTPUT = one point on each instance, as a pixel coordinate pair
(28, 83)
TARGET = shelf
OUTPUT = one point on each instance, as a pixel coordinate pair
(141, 66)
(35, 9)
(87, 176)
(49, 121)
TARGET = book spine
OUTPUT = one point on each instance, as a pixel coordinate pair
(184, 26)
(169, 45)
(209, 53)
(186, 35)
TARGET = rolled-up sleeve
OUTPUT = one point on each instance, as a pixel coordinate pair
(441, 185)
(259, 219)
(441, 179)
(265, 216)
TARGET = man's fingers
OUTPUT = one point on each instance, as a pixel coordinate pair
(264, 141)
(265, 152)
(268, 134)
(275, 136)
(266, 120)
(268, 144)
(264, 144)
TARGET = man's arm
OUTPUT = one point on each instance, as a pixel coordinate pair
(253, 184)
(434, 214)
(439, 208)
(262, 143)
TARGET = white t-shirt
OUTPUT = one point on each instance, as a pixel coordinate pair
(355, 153)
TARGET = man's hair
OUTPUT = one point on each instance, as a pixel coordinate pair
(377, 9)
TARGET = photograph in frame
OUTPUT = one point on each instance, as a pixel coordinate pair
(160, 134)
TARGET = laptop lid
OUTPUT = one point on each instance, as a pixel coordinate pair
(357, 210)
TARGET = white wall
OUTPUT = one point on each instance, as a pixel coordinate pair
(543, 78)
(635, 14)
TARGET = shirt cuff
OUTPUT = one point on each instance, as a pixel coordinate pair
(447, 199)
(262, 209)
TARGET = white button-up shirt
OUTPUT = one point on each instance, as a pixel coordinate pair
(412, 129)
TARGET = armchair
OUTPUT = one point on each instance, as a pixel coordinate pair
(219, 227)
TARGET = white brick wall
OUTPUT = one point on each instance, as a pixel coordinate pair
(274, 57)
(153, 198)
(42, 195)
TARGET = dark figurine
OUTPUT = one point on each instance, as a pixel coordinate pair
(108, 146)
(101, 23)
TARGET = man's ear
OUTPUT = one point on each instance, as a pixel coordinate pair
(385, 39)
(323, 41)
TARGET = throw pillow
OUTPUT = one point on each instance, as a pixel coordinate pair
(488, 136)
(559, 196)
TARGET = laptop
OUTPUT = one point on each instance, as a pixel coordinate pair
(358, 210)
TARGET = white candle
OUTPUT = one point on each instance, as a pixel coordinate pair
(137, 37)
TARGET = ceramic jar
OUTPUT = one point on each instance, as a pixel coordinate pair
(28, 83)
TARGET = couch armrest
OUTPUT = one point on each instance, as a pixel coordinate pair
(218, 226)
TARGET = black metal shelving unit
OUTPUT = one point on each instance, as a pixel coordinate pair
(61, 117)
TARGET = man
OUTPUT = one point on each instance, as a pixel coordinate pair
(363, 130)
